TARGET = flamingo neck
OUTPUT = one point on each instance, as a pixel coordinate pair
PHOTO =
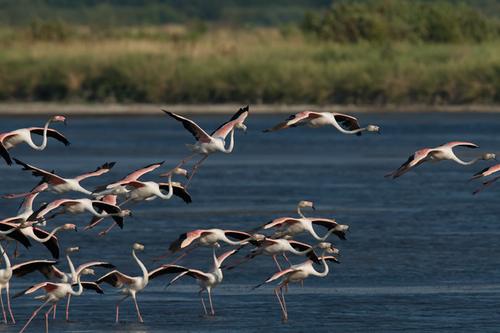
(6, 258)
(145, 273)
(299, 211)
(231, 143)
(325, 265)
(170, 189)
(71, 266)
(49, 236)
(80, 287)
(44, 142)
(459, 161)
(313, 233)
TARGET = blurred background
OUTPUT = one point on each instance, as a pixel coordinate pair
(237, 51)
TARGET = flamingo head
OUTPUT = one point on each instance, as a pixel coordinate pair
(373, 128)
(72, 249)
(61, 119)
(88, 271)
(258, 237)
(138, 247)
(125, 212)
(489, 156)
(328, 247)
(305, 203)
(241, 126)
(69, 226)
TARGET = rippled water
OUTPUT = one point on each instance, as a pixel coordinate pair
(422, 254)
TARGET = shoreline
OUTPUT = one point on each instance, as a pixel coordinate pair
(105, 109)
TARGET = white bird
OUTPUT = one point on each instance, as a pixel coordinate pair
(5, 276)
(129, 285)
(11, 139)
(343, 123)
(206, 280)
(208, 144)
(298, 273)
(440, 153)
(57, 184)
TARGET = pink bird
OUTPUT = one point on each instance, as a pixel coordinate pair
(298, 273)
(206, 280)
(343, 123)
(485, 173)
(11, 139)
(208, 144)
(440, 153)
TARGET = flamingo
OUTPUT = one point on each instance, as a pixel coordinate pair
(274, 247)
(290, 227)
(485, 173)
(343, 123)
(11, 139)
(54, 292)
(118, 188)
(298, 273)
(440, 153)
(206, 280)
(78, 206)
(129, 285)
(215, 142)
(58, 184)
(5, 276)
(51, 272)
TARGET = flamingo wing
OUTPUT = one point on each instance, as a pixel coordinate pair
(294, 120)
(330, 258)
(454, 144)
(103, 264)
(51, 133)
(47, 286)
(48, 177)
(347, 122)
(414, 160)
(97, 172)
(90, 286)
(22, 269)
(239, 235)
(280, 222)
(186, 239)
(192, 127)
(224, 256)
(178, 190)
(116, 278)
(239, 117)
(16, 234)
(109, 209)
(166, 269)
(139, 173)
(330, 224)
(486, 184)
(5, 154)
(486, 171)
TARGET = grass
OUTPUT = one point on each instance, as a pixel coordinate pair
(243, 66)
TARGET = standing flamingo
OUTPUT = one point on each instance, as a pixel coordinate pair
(485, 173)
(129, 285)
(440, 153)
(298, 273)
(11, 139)
(206, 280)
(343, 123)
(58, 184)
(215, 142)
(5, 276)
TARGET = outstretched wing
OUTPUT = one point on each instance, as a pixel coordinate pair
(99, 171)
(178, 190)
(5, 154)
(90, 286)
(239, 117)
(51, 133)
(294, 120)
(116, 278)
(24, 268)
(48, 177)
(191, 126)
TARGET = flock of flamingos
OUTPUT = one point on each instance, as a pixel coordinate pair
(108, 201)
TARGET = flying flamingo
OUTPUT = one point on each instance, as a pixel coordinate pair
(5, 276)
(51, 272)
(129, 285)
(274, 247)
(206, 280)
(215, 142)
(290, 227)
(485, 173)
(54, 292)
(343, 123)
(57, 184)
(440, 153)
(298, 273)
(78, 206)
(118, 188)
(11, 139)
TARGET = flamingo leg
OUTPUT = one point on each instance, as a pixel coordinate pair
(283, 298)
(286, 258)
(105, 232)
(3, 308)
(67, 307)
(212, 311)
(195, 168)
(54, 313)
(16, 251)
(277, 263)
(47, 318)
(8, 304)
(277, 293)
(137, 308)
(33, 315)
(117, 317)
(203, 302)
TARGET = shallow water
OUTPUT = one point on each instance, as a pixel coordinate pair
(422, 253)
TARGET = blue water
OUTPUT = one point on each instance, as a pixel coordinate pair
(422, 254)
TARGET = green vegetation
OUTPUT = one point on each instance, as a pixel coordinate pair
(379, 52)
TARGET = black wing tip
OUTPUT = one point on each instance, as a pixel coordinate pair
(108, 165)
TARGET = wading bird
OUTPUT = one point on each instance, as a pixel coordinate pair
(206, 280)
(51, 272)
(129, 285)
(485, 173)
(298, 273)
(343, 123)
(11, 139)
(215, 142)
(5, 276)
(440, 153)
(57, 184)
